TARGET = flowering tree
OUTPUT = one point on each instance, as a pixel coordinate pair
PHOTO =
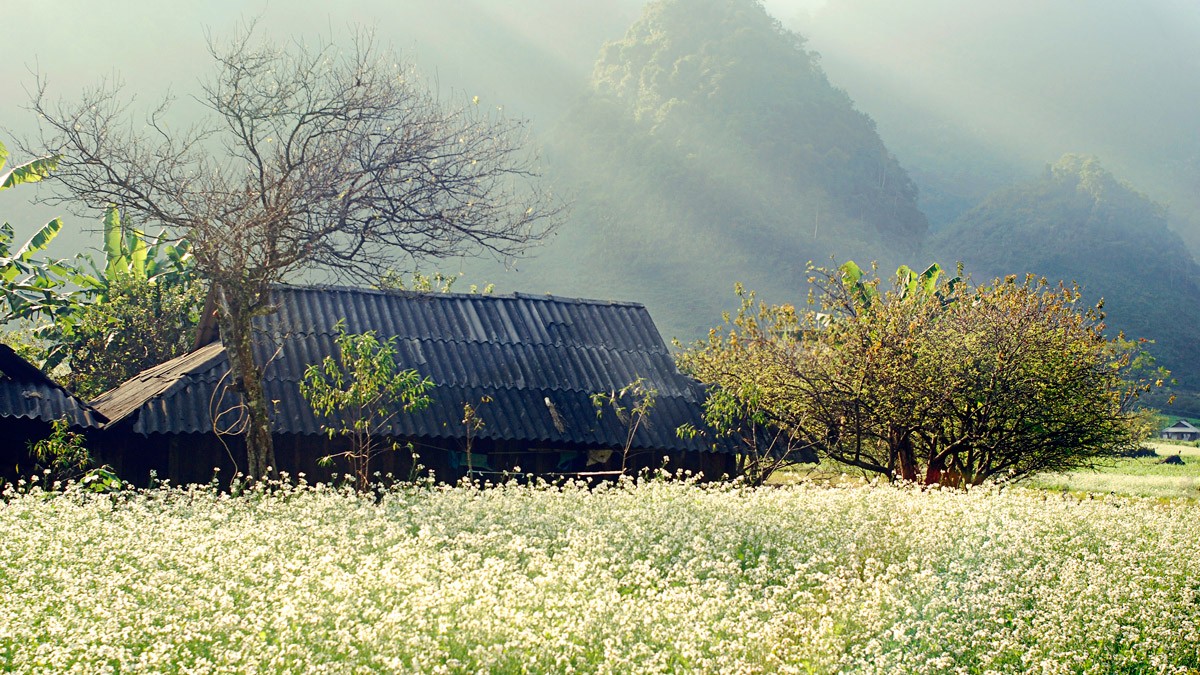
(933, 380)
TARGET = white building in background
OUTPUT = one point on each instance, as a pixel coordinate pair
(1180, 431)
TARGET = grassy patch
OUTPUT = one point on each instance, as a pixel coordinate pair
(1141, 477)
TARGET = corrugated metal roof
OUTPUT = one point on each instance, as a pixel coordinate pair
(153, 383)
(26, 392)
(1182, 425)
(525, 353)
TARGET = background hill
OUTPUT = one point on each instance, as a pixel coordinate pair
(972, 95)
(1078, 223)
(709, 147)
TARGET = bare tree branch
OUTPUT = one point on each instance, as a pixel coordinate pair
(309, 158)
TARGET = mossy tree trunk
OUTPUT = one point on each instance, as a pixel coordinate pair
(235, 314)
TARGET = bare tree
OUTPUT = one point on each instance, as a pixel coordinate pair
(308, 158)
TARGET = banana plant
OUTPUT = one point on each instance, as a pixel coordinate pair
(862, 290)
(130, 253)
(926, 283)
(908, 284)
(29, 172)
(30, 287)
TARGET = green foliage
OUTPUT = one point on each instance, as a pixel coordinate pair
(138, 309)
(139, 323)
(1142, 475)
(65, 457)
(31, 288)
(473, 423)
(632, 405)
(952, 384)
(29, 172)
(360, 391)
(130, 254)
(64, 452)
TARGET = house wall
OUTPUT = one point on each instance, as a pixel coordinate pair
(196, 458)
(15, 460)
(1180, 435)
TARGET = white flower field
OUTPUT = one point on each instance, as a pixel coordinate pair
(650, 577)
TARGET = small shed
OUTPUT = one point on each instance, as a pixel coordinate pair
(29, 402)
(529, 365)
(1181, 430)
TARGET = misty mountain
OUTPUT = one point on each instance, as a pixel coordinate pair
(972, 96)
(711, 144)
(1079, 223)
(710, 147)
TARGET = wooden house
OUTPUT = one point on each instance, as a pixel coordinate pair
(529, 365)
(1182, 430)
(29, 402)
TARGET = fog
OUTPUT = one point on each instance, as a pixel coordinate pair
(983, 89)
(530, 58)
(968, 95)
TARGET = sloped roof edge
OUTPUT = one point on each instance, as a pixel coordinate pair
(208, 331)
(126, 398)
(40, 397)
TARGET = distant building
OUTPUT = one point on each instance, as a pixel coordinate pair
(528, 364)
(29, 402)
(1180, 431)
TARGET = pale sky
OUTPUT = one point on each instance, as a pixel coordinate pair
(1029, 78)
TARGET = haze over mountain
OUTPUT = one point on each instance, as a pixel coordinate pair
(1077, 222)
(703, 144)
(530, 58)
(971, 95)
(711, 148)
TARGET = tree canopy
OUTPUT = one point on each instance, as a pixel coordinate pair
(932, 380)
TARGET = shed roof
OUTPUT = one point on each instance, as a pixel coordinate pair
(538, 359)
(26, 392)
(1183, 426)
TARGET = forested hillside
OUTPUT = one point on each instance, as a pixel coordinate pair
(1077, 222)
(709, 147)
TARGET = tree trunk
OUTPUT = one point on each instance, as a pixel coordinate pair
(902, 450)
(936, 473)
(237, 335)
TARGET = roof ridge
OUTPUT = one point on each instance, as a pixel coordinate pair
(515, 295)
(473, 341)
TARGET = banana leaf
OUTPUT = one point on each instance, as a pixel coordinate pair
(29, 172)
